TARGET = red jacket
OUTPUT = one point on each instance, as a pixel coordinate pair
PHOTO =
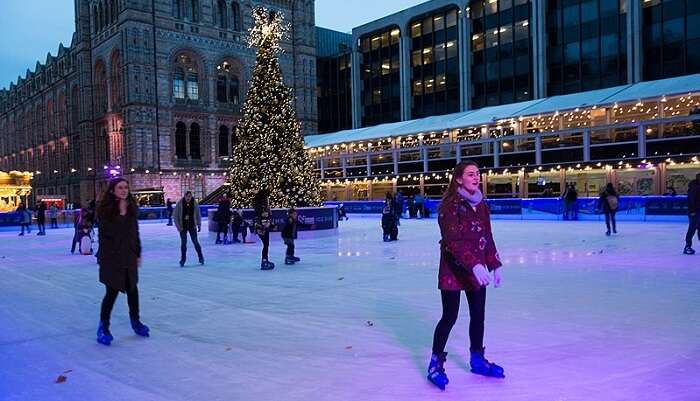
(467, 240)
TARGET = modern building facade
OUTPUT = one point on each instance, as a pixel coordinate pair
(149, 90)
(446, 56)
(334, 78)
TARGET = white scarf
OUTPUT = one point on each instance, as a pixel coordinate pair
(473, 199)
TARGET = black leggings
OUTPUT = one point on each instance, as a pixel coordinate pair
(693, 226)
(265, 238)
(610, 217)
(132, 297)
(450, 310)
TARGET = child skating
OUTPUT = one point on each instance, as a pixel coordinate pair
(467, 255)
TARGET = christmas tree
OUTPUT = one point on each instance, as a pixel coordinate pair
(270, 153)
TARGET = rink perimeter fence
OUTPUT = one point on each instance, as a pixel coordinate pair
(631, 208)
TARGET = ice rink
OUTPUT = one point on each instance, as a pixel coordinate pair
(581, 316)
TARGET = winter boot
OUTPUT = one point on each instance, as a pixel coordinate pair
(266, 265)
(481, 366)
(103, 334)
(436, 370)
(296, 259)
(607, 233)
(289, 260)
(182, 262)
(201, 260)
(688, 250)
(140, 328)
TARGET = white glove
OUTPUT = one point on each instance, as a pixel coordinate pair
(497, 278)
(481, 274)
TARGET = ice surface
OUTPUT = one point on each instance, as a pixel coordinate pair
(580, 317)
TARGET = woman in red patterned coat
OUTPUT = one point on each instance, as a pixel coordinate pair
(467, 255)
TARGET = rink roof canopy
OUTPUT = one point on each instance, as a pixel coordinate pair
(608, 97)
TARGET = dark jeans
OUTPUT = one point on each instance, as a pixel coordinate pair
(265, 238)
(693, 226)
(132, 297)
(28, 226)
(570, 210)
(183, 243)
(222, 228)
(610, 218)
(290, 246)
(41, 225)
(450, 310)
(170, 217)
(54, 222)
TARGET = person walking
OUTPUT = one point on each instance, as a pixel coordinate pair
(223, 218)
(41, 218)
(608, 202)
(693, 215)
(119, 257)
(467, 255)
(53, 215)
(188, 220)
(263, 225)
(169, 211)
(25, 219)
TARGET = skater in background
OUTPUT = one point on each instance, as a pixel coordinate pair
(169, 211)
(467, 255)
(245, 228)
(223, 218)
(570, 197)
(263, 225)
(188, 220)
(82, 225)
(608, 203)
(289, 234)
(41, 217)
(25, 219)
(398, 207)
(342, 213)
(390, 231)
(670, 191)
(693, 215)
(419, 204)
(53, 215)
(236, 223)
(119, 257)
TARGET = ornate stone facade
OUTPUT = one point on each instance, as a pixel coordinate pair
(153, 87)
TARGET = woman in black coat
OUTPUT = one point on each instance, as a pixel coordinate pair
(263, 225)
(119, 256)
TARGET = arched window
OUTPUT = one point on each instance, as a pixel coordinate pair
(236, 14)
(61, 120)
(192, 10)
(100, 87)
(223, 141)
(177, 9)
(102, 16)
(95, 19)
(50, 117)
(227, 84)
(113, 5)
(194, 142)
(180, 140)
(116, 81)
(75, 106)
(221, 17)
(185, 78)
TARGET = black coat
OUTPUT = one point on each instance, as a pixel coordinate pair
(694, 197)
(223, 212)
(119, 251)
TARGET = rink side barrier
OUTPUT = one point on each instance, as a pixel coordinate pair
(308, 218)
(631, 208)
